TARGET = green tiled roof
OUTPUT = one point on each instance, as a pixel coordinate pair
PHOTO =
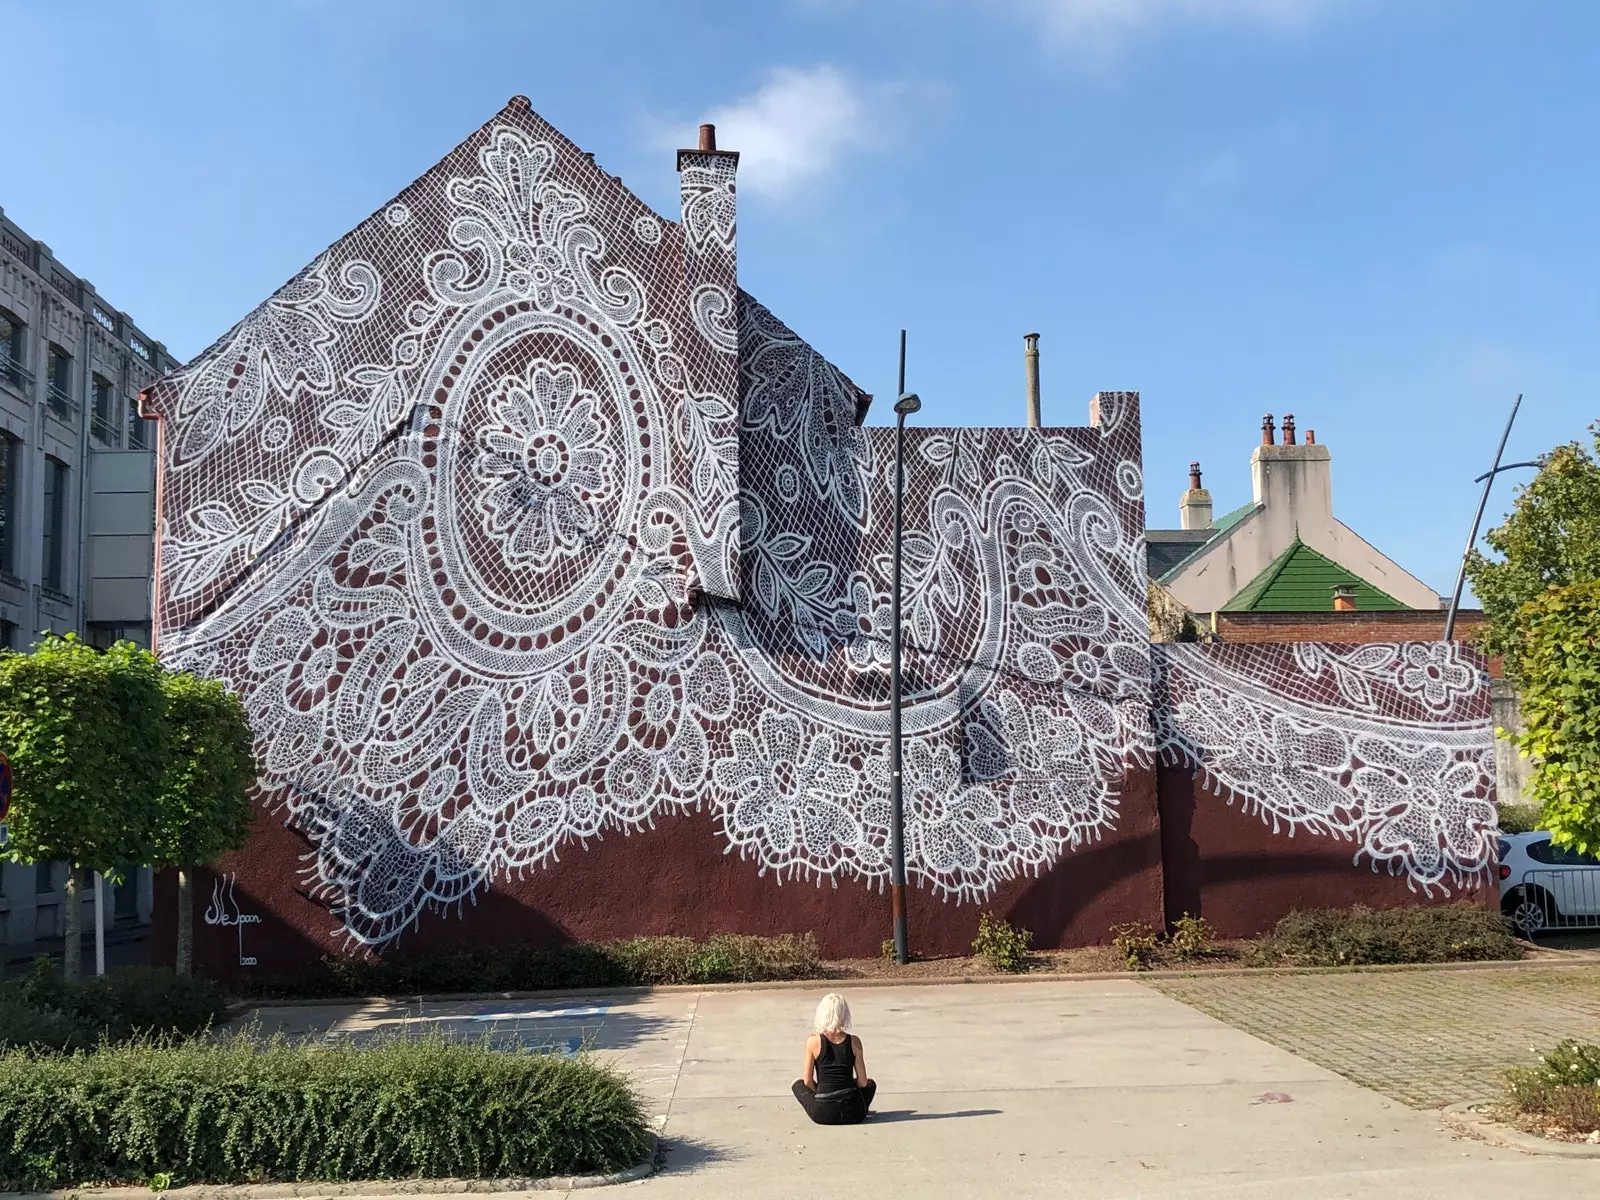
(1301, 580)
(1228, 520)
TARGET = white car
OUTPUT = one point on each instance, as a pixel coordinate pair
(1544, 886)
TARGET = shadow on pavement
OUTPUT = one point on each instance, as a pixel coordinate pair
(911, 1114)
(688, 1154)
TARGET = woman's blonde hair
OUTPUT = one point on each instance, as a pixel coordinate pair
(833, 1014)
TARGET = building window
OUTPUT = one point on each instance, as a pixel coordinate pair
(8, 635)
(55, 523)
(138, 428)
(13, 368)
(58, 382)
(104, 422)
(44, 877)
(10, 510)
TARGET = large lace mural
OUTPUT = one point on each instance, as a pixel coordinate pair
(515, 521)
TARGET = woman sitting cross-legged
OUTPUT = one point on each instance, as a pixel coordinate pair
(834, 1088)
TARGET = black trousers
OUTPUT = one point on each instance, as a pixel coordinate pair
(847, 1110)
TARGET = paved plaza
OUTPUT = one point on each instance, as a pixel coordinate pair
(1427, 1038)
(1093, 1089)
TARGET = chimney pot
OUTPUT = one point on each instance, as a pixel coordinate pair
(1266, 430)
(1288, 429)
(1194, 477)
(1344, 598)
(1311, 437)
(708, 137)
(1030, 363)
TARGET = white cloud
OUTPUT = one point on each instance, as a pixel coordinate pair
(1102, 26)
(795, 128)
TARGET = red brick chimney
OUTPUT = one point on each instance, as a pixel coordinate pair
(1344, 597)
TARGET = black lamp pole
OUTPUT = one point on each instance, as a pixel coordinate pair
(904, 405)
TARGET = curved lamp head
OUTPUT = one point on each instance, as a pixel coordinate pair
(907, 404)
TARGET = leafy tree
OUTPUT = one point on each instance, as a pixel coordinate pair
(205, 802)
(86, 735)
(1550, 539)
(1558, 639)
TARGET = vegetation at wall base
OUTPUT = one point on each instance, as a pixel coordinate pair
(1359, 936)
(1520, 818)
(251, 1111)
(1192, 937)
(1137, 943)
(1563, 1091)
(1001, 944)
(45, 1013)
(633, 962)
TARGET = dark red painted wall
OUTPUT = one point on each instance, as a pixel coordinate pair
(675, 879)
(1229, 866)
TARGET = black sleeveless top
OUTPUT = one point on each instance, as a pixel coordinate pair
(836, 1065)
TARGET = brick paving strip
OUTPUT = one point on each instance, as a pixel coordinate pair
(1425, 1038)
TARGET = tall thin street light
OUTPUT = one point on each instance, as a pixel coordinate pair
(1483, 502)
(904, 406)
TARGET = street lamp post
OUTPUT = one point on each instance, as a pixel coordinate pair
(1487, 480)
(904, 406)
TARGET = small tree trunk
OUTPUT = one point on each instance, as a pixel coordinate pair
(72, 952)
(185, 958)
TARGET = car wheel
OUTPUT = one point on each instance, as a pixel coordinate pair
(1531, 911)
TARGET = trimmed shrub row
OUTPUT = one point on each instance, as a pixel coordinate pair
(636, 962)
(42, 1012)
(246, 1111)
(1344, 937)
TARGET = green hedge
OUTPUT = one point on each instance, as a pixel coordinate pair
(1343, 937)
(640, 961)
(42, 1012)
(1519, 818)
(238, 1111)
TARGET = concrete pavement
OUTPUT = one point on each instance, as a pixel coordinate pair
(1095, 1089)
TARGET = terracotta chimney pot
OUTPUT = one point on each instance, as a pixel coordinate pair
(1194, 477)
(1288, 429)
(708, 137)
(1311, 437)
(1266, 430)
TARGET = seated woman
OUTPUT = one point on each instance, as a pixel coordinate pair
(834, 1088)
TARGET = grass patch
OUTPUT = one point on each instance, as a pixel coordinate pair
(1562, 1092)
(636, 962)
(1344, 937)
(248, 1111)
(42, 1012)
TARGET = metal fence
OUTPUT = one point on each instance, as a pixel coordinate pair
(1548, 900)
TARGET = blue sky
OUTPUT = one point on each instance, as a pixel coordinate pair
(1376, 214)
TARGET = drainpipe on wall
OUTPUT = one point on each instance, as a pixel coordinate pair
(1030, 358)
(85, 396)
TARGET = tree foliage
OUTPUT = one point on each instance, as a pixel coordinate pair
(87, 737)
(1558, 640)
(1551, 538)
(204, 801)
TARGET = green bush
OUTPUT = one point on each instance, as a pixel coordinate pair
(1001, 944)
(1564, 1087)
(45, 1012)
(241, 1110)
(1519, 818)
(1136, 942)
(1193, 937)
(634, 962)
(1335, 937)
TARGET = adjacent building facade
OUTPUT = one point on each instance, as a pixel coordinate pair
(77, 499)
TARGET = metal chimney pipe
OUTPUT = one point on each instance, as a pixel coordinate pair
(1030, 358)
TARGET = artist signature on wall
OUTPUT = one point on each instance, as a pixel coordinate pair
(224, 910)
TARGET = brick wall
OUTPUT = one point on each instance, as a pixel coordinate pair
(1405, 625)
